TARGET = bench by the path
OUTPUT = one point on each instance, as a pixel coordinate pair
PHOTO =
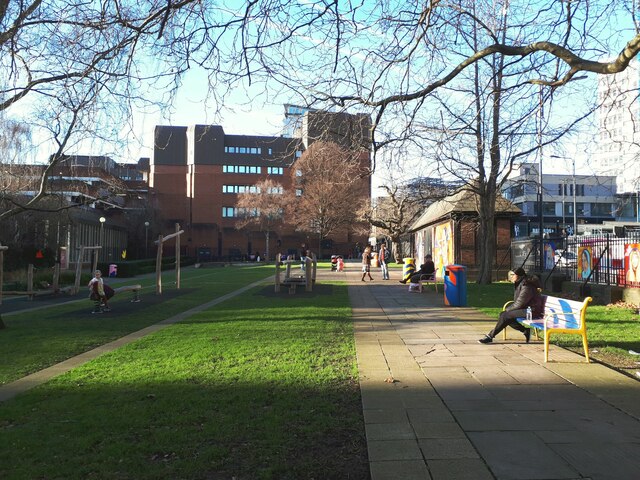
(560, 316)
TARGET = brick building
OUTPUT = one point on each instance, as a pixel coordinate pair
(197, 173)
(448, 230)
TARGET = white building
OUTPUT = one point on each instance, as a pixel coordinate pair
(618, 151)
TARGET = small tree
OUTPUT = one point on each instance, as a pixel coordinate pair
(330, 184)
(263, 207)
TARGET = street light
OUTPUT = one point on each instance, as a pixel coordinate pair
(102, 220)
(146, 239)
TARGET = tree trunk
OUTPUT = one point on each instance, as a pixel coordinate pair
(2, 325)
(266, 240)
(487, 233)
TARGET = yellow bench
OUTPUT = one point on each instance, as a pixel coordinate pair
(560, 316)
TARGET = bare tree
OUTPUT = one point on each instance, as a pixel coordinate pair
(263, 207)
(329, 185)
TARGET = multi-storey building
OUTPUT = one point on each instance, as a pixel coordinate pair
(618, 141)
(197, 173)
(594, 198)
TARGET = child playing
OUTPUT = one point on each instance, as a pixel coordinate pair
(99, 293)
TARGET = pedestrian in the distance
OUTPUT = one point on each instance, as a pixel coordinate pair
(366, 263)
(383, 256)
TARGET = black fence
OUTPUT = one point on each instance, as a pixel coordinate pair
(598, 259)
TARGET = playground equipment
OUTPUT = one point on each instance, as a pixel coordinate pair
(76, 285)
(290, 280)
(160, 242)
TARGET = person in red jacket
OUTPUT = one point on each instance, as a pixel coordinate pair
(526, 294)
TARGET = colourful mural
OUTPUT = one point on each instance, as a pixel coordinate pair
(443, 245)
(632, 263)
(584, 262)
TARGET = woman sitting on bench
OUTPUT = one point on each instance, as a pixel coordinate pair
(526, 294)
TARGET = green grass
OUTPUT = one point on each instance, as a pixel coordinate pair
(611, 330)
(38, 339)
(261, 386)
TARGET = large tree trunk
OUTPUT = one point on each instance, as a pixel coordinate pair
(266, 240)
(2, 325)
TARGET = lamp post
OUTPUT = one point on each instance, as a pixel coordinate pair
(102, 220)
(146, 239)
(575, 211)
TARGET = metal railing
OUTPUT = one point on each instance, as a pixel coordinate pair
(596, 259)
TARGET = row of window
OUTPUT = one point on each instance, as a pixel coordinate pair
(251, 169)
(249, 150)
(595, 209)
(249, 189)
(231, 212)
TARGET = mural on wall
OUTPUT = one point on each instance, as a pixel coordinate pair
(420, 245)
(549, 255)
(443, 245)
(584, 262)
(632, 263)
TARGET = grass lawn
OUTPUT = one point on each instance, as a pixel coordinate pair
(611, 330)
(261, 386)
(38, 339)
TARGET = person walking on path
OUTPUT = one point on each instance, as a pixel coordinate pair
(383, 255)
(366, 263)
(526, 294)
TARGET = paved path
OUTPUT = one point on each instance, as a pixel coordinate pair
(461, 410)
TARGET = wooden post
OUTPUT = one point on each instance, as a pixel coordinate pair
(315, 266)
(56, 278)
(308, 274)
(159, 266)
(277, 286)
(76, 285)
(287, 272)
(30, 280)
(160, 242)
(94, 264)
(2, 249)
(178, 256)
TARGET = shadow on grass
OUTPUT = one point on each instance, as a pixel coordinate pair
(193, 427)
(319, 290)
(121, 305)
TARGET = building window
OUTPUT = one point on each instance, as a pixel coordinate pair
(275, 171)
(601, 209)
(241, 169)
(228, 212)
(298, 153)
(240, 189)
(249, 150)
(298, 192)
(549, 208)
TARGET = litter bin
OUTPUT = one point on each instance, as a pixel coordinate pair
(455, 285)
(113, 270)
(408, 268)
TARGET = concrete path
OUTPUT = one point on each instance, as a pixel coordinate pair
(439, 405)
